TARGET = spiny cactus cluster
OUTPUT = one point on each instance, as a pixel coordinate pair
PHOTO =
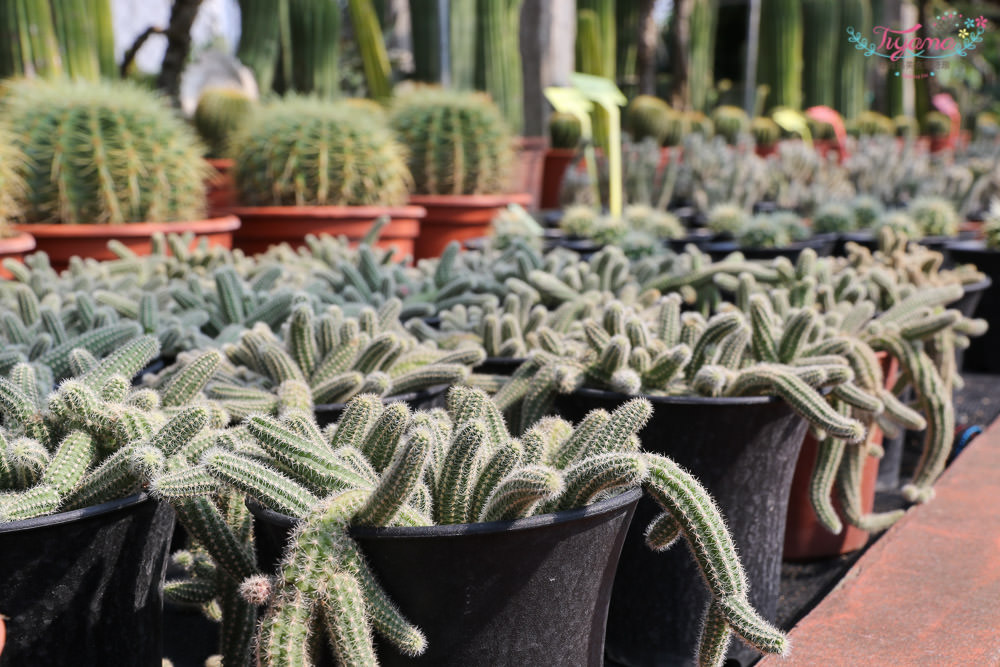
(731, 123)
(219, 114)
(764, 231)
(934, 216)
(458, 142)
(834, 217)
(648, 116)
(639, 225)
(727, 219)
(565, 130)
(303, 151)
(102, 153)
(383, 466)
(765, 131)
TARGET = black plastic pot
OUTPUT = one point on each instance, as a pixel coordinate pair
(86, 587)
(822, 245)
(743, 450)
(425, 399)
(983, 355)
(973, 294)
(528, 592)
(699, 238)
(498, 365)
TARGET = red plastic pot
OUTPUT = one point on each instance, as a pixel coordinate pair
(221, 188)
(63, 241)
(530, 158)
(15, 247)
(264, 226)
(805, 537)
(555, 164)
(458, 218)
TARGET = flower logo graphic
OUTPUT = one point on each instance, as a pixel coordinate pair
(981, 22)
(969, 23)
(963, 33)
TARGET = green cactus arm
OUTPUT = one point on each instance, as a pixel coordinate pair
(53, 325)
(124, 306)
(713, 641)
(901, 413)
(230, 290)
(849, 481)
(858, 398)
(456, 476)
(681, 496)
(551, 288)
(356, 421)
(466, 356)
(344, 617)
(337, 360)
(115, 390)
(15, 404)
(734, 347)
(382, 441)
(272, 488)
(96, 341)
(765, 342)
(203, 520)
(278, 364)
(37, 501)
(662, 532)
(718, 328)
(302, 339)
(517, 386)
(582, 440)
(285, 633)
(373, 356)
(338, 388)
(597, 474)
(113, 478)
(397, 483)
(294, 396)
(185, 482)
(69, 462)
(180, 430)
(502, 463)
(751, 628)
(271, 311)
(239, 622)
(472, 404)
(829, 453)
(520, 492)
(27, 304)
(191, 379)
(309, 457)
(798, 327)
(190, 591)
(931, 325)
(430, 376)
(539, 394)
(626, 421)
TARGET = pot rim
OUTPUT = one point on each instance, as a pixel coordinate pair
(459, 529)
(405, 212)
(396, 398)
(225, 223)
(680, 400)
(21, 241)
(74, 515)
(979, 285)
(471, 201)
(971, 246)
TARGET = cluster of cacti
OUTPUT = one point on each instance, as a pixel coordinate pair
(727, 219)
(900, 222)
(328, 359)
(97, 154)
(383, 466)
(458, 142)
(872, 123)
(764, 231)
(303, 151)
(731, 123)
(765, 131)
(565, 130)
(834, 218)
(219, 114)
(587, 223)
(513, 222)
(934, 216)
(868, 210)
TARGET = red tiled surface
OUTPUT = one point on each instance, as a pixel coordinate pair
(928, 592)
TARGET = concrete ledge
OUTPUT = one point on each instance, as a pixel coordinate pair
(928, 592)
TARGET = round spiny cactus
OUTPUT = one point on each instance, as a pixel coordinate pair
(935, 216)
(792, 223)
(765, 131)
(565, 130)
(938, 124)
(764, 231)
(833, 217)
(821, 130)
(699, 123)
(103, 153)
(900, 223)
(220, 113)
(459, 143)
(659, 224)
(648, 116)
(906, 126)
(303, 151)
(727, 219)
(872, 123)
(585, 222)
(730, 122)
(867, 211)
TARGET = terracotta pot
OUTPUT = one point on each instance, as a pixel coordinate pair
(530, 154)
(807, 539)
(264, 226)
(62, 242)
(555, 164)
(15, 247)
(764, 151)
(458, 218)
(221, 188)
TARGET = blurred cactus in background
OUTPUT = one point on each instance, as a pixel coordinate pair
(220, 113)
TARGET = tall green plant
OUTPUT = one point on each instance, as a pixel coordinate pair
(427, 25)
(779, 64)
(701, 58)
(819, 19)
(374, 57)
(260, 39)
(590, 60)
(314, 31)
(498, 56)
(850, 97)
(28, 44)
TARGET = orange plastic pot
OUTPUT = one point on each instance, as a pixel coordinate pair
(458, 218)
(221, 188)
(264, 226)
(15, 247)
(530, 156)
(555, 164)
(62, 242)
(805, 537)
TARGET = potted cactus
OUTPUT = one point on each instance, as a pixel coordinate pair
(112, 162)
(936, 219)
(557, 501)
(731, 123)
(938, 127)
(13, 244)
(82, 544)
(219, 114)
(565, 132)
(459, 152)
(308, 166)
(766, 134)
